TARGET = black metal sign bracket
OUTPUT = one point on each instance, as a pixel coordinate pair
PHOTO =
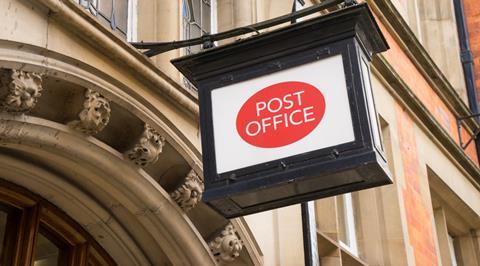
(207, 41)
(475, 135)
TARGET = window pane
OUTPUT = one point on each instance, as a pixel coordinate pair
(206, 25)
(3, 226)
(185, 10)
(195, 49)
(196, 10)
(105, 8)
(46, 253)
(189, 9)
(103, 21)
(121, 14)
(342, 220)
(195, 31)
(186, 30)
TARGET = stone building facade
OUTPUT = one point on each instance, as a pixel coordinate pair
(100, 153)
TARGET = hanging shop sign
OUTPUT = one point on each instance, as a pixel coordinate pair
(288, 116)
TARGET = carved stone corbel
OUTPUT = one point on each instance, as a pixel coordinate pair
(95, 114)
(226, 246)
(190, 192)
(19, 90)
(147, 149)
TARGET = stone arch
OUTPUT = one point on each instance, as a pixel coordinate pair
(145, 226)
(126, 203)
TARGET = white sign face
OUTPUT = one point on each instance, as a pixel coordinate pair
(283, 114)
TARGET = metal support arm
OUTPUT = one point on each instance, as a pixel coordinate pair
(155, 48)
(475, 135)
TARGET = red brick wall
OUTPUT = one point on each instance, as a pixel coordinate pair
(419, 222)
(472, 12)
(422, 89)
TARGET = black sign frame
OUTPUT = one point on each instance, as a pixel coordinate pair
(351, 33)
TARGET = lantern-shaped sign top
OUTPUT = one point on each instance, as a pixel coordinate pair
(288, 116)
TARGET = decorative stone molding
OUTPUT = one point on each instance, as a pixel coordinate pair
(122, 185)
(19, 90)
(148, 148)
(95, 114)
(227, 246)
(190, 192)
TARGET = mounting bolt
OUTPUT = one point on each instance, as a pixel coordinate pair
(335, 154)
(207, 42)
(226, 78)
(275, 65)
(232, 177)
(350, 3)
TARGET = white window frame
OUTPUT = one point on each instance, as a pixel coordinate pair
(349, 215)
(451, 248)
(213, 17)
(132, 21)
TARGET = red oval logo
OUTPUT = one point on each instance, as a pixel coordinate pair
(280, 114)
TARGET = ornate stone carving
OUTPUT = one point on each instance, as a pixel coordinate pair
(190, 192)
(19, 90)
(227, 246)
(147, 149)
(95, 114)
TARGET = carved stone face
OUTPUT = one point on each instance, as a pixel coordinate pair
(23, 90)
(232, 246)
(95, 114)
(227, 246)
(190, 192)
(154, 139)
(97, 111)
(194, 192)
(148, 148)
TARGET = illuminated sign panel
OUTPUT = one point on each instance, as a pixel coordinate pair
(289, 116)
(279, 115)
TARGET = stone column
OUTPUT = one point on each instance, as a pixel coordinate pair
(233, 13)
(160, 20)
(267, 9)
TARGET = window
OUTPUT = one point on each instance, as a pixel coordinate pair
(111, 13)
(3, 230)
(198, 18)
(451, 247)
(46, 252)
(339, 224)
(34, 232)
(456, 235)
(346, 223)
